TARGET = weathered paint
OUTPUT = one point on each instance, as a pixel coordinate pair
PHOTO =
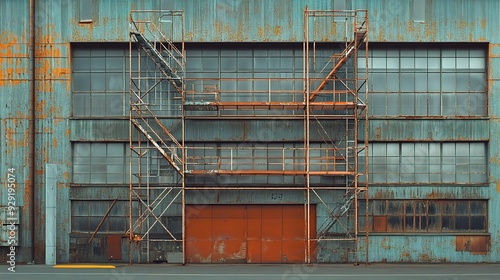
(429, 130)
(230, 21)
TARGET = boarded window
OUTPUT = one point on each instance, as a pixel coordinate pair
(426, 216)
(477, 245)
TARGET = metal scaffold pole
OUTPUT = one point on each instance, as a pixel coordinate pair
(338, 82)
(156, 164)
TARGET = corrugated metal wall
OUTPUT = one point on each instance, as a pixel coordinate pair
(57, 26)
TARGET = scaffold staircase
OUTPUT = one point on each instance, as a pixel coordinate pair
(142, 116)
(339, 60)
(334, 217)
(158, 58)
(157, 75)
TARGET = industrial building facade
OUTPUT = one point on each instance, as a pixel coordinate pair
(233, 131)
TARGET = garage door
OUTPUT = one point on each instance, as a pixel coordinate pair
(246, 233)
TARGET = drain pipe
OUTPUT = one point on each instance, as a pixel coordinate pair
(32, 128)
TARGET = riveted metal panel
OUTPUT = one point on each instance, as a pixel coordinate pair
(429, 130)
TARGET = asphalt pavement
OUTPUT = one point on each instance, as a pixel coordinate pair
(256, 271)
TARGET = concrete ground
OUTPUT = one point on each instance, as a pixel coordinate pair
(255, 271)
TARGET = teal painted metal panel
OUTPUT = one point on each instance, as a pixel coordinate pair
(274, 21)
(445, 21)
(99, 130)
(418, 249)
(429, 192)
(429, 130)
(14, 116)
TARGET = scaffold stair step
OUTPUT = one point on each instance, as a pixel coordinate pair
(158, 59)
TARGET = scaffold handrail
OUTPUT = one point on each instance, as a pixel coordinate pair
(269, 158)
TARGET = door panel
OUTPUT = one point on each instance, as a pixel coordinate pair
(247, 233)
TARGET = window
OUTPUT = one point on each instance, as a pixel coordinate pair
(87, 214)
(270, 74)
(421, 163)
(430, 81)
(425, 215)
(100, 81)
(419, 10)
(97, 163)
(108, 163)
(86, 10)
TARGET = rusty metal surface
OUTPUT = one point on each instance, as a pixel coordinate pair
(246, 233)
(275, 21)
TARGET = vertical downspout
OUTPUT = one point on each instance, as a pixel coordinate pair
(32, 128)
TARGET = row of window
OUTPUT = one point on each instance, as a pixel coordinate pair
(87, 214)
(445, 162)
(424, 215)
(389, 216)
(389, 163)
(420, 81)
(108, 163)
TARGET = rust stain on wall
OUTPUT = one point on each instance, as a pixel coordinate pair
(277, 30)
(431, 30)
(483, 23)
(267, 31)
(11, 57)
(384, 244)
(39, 109)
(26, 196)
(10, 139)
(425, 258)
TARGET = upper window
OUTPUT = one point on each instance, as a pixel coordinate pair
(100, 81)
(430, 81)
(419, 10)
(86, 10)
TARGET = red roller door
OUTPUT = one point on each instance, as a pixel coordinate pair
(246, 233)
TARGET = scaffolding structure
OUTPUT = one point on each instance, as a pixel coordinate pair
(332, 93)
(345, 87)
(157, 69)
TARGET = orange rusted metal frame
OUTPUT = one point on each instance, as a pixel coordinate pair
(277, 105)
(359, 112)
(268, 172)
(307, 106)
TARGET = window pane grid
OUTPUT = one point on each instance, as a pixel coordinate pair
(456, 76)
(100, 81)
(86, 215)
(427, 216)
(419, 163)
